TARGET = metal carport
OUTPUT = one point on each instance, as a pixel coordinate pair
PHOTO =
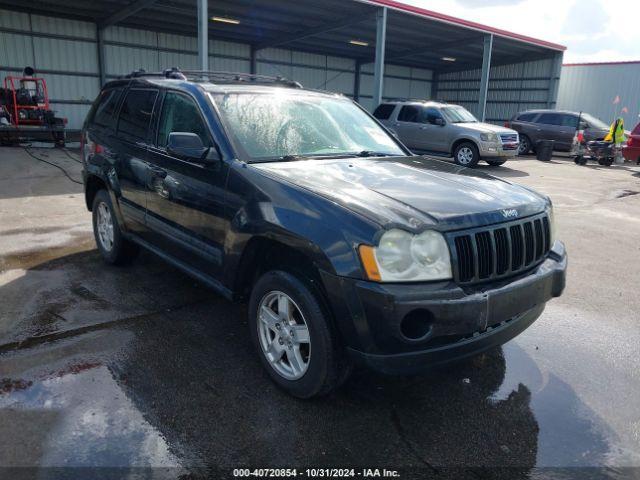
(367, 49)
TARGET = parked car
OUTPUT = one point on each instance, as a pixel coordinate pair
(631, 151)
(442, 128)
(348, 248)
(559, 126)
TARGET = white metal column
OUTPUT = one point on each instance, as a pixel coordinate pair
(203, 34)
(378, 72)
(554, 80)
(484, 81)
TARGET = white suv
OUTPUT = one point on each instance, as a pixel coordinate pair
(445, 129)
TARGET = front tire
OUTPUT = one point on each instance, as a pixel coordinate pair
(606, 162)
(294, 336)
(525, 145)
(114, 248)
(466, 155)
(496, 163)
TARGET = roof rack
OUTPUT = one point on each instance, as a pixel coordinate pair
(214, 77)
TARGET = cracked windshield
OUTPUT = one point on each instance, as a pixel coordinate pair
(282, 125)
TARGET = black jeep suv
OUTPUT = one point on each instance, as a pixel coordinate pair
(348, 248)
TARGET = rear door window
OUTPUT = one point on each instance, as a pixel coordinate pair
(105, 113)
(550, 119)
(135, 114)
(384, 111)
(409, 113)
(527, 117)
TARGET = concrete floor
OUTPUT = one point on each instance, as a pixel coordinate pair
(142, 367)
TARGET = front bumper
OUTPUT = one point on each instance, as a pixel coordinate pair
(497, 150)
(462, 322)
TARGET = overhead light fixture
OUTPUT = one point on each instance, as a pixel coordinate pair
(448, 59)
(359, 43)
(232, 21)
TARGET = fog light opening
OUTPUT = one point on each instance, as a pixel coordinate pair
(416, 325)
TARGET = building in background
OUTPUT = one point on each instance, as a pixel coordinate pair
(605, 90)
(370, 50)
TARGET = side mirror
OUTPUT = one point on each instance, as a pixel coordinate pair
(439, 121)
(187, 145)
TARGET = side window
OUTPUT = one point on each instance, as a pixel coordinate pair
(384, 111)
(527, 117)
(430, 114)
(105, 114)
(550, 119)
(569, 121)
(409, 113)
(180, 114)
(135, 114)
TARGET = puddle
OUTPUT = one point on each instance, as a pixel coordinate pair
(32, 258)
(79, 418)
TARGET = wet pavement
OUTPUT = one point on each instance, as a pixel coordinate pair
(142, 367)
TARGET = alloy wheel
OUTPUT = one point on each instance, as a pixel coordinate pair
(465, 156)
(524, 146)
(104, 224)
(284, 335)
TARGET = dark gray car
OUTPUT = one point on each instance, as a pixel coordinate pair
(556, 125)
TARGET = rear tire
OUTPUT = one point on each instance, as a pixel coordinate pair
(114, 248)
(466, 155)
(318, 365)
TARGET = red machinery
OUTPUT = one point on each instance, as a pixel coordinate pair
(24, 111)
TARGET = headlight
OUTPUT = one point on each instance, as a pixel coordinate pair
(552, 224)
(489, 137)
(403, 257)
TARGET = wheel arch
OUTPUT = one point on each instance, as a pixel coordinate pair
(92, 185)
(462, 140)
(263, 253)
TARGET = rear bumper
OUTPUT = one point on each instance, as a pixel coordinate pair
(461, 323)
(631, 153)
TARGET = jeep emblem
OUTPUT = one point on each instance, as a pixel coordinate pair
(512, 213)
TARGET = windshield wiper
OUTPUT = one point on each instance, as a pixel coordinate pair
(370, 153)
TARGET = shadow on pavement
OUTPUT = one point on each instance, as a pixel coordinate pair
(183, 359)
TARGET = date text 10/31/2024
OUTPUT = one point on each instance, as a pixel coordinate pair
(316, 473)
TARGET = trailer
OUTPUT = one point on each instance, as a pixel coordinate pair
(25, 113)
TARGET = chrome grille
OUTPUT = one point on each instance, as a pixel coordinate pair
(498, 252)
(509, 141)
(509, 137)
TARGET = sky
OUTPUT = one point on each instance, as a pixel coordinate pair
(592, 30)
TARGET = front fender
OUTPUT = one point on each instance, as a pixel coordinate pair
(463, 138)
(326, 233)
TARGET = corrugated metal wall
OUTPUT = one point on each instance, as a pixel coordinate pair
(593, 89)
(65, 53)
(512, 88)
(400, 82)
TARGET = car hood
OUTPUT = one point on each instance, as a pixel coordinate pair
(485, 127)
(411, 192)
